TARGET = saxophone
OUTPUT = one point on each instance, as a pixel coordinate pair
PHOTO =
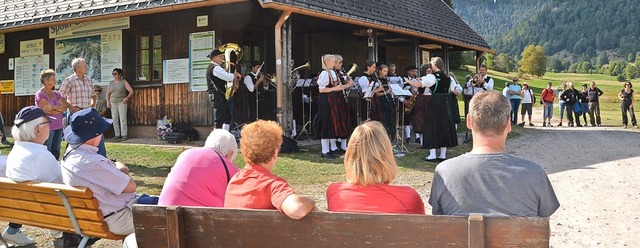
(231, 66)
(411, 101)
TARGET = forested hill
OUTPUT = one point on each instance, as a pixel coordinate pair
(578, 26)
(492, 20)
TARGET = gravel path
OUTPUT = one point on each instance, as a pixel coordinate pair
(592, 170)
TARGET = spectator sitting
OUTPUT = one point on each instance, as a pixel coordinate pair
(98, 102)
(200, 175)
(255, 186)
(370, 167)
(488, 180)
(83, 166)
(29, 160)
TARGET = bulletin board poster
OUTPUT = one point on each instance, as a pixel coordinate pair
(6, 87)
(200, 45)
(176, 71)
(27, 74)
(102, 52)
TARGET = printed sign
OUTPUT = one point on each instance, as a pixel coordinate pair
(6, 87)
(27, 74)
(2, 41)
(86, 28)
(200, 45)
(176, 71)
(31, 47)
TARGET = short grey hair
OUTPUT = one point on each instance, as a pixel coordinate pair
(26, 131)
(76, 62)
(338, 58)
(489, 113)
(223, 141)
(437, 62)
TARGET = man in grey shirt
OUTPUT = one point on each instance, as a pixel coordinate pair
(487, 180)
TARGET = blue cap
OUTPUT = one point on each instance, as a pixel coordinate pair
(28, 114)
(85, 125)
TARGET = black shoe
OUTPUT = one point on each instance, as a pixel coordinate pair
(417, 141)
(328, 155)
(337, 152)
(578, 125)
(530, 124)
(560, 124)
(521, 124)
(430, 160)
(544, 124)
(441, 159)
(408, 141)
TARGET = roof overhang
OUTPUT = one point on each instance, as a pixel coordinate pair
(123, 9)
(380, 26)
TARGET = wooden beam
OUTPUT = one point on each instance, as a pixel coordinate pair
(476, 231)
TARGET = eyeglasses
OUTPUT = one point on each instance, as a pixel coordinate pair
(46, 122)
(98, 91)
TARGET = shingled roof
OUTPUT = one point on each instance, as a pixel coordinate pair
(431, 19)
(19, 14)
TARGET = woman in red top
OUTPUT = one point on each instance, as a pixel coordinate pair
(370, 167)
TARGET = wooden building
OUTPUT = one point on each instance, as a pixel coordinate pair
(154, 40)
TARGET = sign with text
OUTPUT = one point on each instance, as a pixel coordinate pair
(2, 43)
(31, 47)
(102, 53)
(175, 71)
(6, 87)
(200, 45)
(27, 74)
(86, 28)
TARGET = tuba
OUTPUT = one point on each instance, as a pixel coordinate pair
(231, 66)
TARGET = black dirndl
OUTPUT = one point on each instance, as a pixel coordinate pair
(384, 111)
(439, 126)
(419, 112)
(324, 126)
(455, 109)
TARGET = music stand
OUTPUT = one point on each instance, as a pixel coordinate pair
(308, 124)
(399, 148)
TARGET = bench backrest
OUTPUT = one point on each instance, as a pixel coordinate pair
(38, 204)
(162, 226)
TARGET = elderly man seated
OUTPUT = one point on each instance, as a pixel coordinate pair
(200, 175)
(108, 180)
(29, 160)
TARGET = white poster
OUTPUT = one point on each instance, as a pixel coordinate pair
(27, 74)
(175, 71)
(200, 45)
(111, 55)
(102, 52)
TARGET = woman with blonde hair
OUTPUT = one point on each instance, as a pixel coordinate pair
(330, 94)
(370, 168)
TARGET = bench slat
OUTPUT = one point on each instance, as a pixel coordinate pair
(105, 235)
(47, 188)
(18, 216)
(51, 209)
(218, 227)
(41, 197)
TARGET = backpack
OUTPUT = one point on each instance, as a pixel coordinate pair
(577, 108)
(190, 133)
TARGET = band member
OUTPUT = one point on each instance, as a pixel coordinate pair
(252, 81)
(342, 127)
(392, 71)
(367, 78)
(409, 102)
(455, 92)
(439, 126)
(382, 104)
(217, 79)
(328, 85)
(422, 100)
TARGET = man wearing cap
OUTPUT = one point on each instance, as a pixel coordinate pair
(252, 80)
(30, 160)
(217, 79)
(83, 166)
(78, 90)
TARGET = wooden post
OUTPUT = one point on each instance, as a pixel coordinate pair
(175, 228)
(476, 231)
(280, 91)
(479, 55)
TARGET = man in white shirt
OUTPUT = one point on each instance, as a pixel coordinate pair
(29, 160)
(253, 80)
(217, 79)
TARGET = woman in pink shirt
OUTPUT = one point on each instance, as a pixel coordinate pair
(370, 168)
(54, 105)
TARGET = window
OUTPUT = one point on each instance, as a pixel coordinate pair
(149, 61)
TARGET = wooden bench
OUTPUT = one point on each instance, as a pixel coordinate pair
(176, 227)
(53, 206)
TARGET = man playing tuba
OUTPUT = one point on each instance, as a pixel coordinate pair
(217, 79)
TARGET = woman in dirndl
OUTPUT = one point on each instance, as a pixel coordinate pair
(382, 106)
(420, 107)
(439, 130)
(328, 86)
(342, 125)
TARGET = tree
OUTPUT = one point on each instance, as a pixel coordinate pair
(621, 78)
(489, 60)
(631, 71)
(602, 59)
(638, 59)
(503, 63)
(533, 61)
(631, 57)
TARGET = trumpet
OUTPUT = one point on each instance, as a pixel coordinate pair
(306, 65)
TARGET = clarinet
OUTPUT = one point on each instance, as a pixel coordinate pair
(341, 79)
(377, 80)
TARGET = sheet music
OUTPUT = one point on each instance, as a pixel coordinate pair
(396, 90)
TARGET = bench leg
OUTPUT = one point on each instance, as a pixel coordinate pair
(4, 242)
(83, 242)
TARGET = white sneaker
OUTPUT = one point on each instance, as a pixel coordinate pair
(18, 239)
(55, 234)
